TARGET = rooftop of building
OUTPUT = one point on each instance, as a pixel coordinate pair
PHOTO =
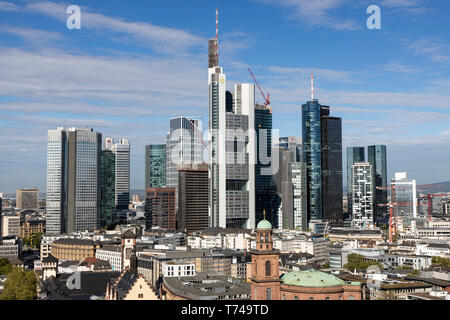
(91, 284)
(208, 287)
(72, 241)
(314, 278)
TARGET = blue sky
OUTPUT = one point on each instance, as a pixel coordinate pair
(135, 64)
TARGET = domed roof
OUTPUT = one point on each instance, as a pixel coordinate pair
(264, 224)
(311, 278)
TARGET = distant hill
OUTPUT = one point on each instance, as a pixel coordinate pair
(434, 187)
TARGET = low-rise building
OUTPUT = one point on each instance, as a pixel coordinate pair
(73, 249)
(10, 247)
(205, 287)
(32, 226)
(112, 254)
(10, 225)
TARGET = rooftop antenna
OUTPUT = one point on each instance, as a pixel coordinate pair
(312, 86)
(217, 34)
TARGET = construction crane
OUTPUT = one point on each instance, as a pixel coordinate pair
(266, 99)
(392, 213)
(429, 197)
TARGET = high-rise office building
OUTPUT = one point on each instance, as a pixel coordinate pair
(377, 158)
(84, 148)
(192, 198)
(290, 207)
(56, 180)
(183, 146)
(354, 155)
(362, 195)
(232, 154)
(312, 156)
(404, 194)
(73, 180)
(155, 166)
(27, 199)
(108, 188)
(266, 197)
(121, 150)
(331, 140)
(299, 195)
(160, 208)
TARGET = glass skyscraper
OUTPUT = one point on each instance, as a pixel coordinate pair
(56, 180)
(265, 188)
(404, 194)
(331, 139)
(312, 155)
(155, 166)
(377, 158)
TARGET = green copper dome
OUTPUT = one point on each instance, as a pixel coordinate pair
(264, 224)
(311, 278)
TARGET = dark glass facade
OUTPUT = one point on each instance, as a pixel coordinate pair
(266, 197)
(160, 208)
(311, 132)
(377, 158)
(108, 188)
(155, 166)
(331, 137)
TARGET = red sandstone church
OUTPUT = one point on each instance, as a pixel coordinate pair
(296, 285)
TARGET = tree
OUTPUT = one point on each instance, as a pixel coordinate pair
(358, 262)
(19, 285)
(36, 239)
(5, 266)
(441, 262)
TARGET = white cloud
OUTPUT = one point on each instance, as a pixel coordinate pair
(316, 13)
(162, 39)
(8, 6)
(32, 35)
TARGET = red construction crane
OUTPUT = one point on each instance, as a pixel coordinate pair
(429, 203)
(266, 100)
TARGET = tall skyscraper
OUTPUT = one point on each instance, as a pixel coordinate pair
(354, 155)
(108, 188)
(73, 180)
(121, 150)
(299, 195)
(83, 180)
(160, 208)
(289, 182)
(377, 158)
(362, 195)
(331, 139)
(56, 180)
(404, 193)
(232, 154)
(183, 146)
(192, 198)
(312, 155)
(266, 191)
(155, 166)
(27, 199)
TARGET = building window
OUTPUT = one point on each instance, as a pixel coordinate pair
(351, 298)
(284, 297)
(311, 298)
(327, 298)
(141, 295)
(269, 294)
(295, 298)
(267, 268)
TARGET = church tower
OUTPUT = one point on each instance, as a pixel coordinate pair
(265, 279)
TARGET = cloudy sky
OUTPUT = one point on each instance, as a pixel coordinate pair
(135, 64)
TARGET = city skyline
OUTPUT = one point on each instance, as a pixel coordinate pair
(376, 92)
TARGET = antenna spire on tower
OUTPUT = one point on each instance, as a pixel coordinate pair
(312, 86)
(217, 35)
